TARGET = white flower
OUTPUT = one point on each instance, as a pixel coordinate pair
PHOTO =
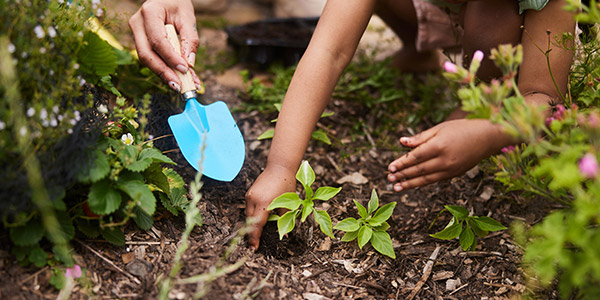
(2, 125)
(150, 137)
(30, 112)
(70, 131)
(23, 131)
(77, 115)
(61, 1)
(43, 114)
(81, 82)
(23, 54)
(43, 50)
(80, 34)
(11, 48)
(102, 109)
(76, 66)
(45, 123)
(51, 72)
(53, 122)
(99, 12)
(39, 32)
(127, 139)
(51, 32)
(60, 118)
(55, 109)
(73, 122)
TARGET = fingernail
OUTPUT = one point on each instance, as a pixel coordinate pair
(403, 140)
(181, 68)
(392, 168)
(174, 86)
(199, 87)
(392, 177)
(192, 58)
(397, 188)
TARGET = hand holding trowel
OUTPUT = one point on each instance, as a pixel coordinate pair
(212, 124)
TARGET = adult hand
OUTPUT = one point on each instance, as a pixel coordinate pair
(274, 181)
(152, 45)
(446, 150)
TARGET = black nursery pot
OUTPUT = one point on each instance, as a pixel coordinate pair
(272, 40)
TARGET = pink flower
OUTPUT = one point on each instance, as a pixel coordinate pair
(560, 112)
(450, 67)
(508, 149)
(74, 272)
(549, 120)
(588, 166)
(593, 120)
(478, 56)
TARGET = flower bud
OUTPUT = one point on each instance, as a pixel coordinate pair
(450, 67)
(588, 166)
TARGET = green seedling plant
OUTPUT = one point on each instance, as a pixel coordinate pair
(319, 134)
(303, 207)
(465, 227)
(371, 226)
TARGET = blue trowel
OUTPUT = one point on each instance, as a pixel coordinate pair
(210, 126)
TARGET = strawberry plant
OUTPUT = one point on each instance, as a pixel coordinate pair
(303, 207)
(371, 226)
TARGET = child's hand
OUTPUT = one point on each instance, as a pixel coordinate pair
(152, 45)
(274, 181)
(446, 150)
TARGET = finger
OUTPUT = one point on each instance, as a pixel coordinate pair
(411, 158)
(259, 216)
(189, 41)
(420, 138)
(197, 80)
(148, 57)
(157, 38)
(425, 168)
(420, 181)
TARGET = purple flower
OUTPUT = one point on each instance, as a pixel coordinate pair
(478, 56)
(588, 166)
(450, 67)
(560, 112)
(508, 149)
(74, 272)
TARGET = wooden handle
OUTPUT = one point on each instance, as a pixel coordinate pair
(187, 82)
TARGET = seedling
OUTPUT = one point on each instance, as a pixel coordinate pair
(297, 206)
(465, 227)
(371, 226)
(318, 134)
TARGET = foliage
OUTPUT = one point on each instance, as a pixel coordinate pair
(318, 134)
(303, 207)
(371, 226)
(466, 227)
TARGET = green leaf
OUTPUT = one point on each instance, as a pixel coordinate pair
(466, 238)
(382, 214)
(382, 242)
(140, 193)
(175, 181)
(322, 217)
(305, 175)
(325, 193)
(155, 155)
(154, 175)
(113, 235)
(362, 211)
(449, 232)
(96, 56)
(364, 235)
(348, 225)
(28, 234)
(321, 135)
(307, 208)
(478, 231)
(290, 201)
(383, 227)
(273, 218)
(103, 199)
(143, 220)
(350, 236)
(98, 170)
(139, 165)
(327, 114)
(88, 227)
(58, 279)
(38, 257)
(127, 153)
(266, 135)
(459, 212)
(178, 198)
(286, 223)
(373, 202)
(488, 224)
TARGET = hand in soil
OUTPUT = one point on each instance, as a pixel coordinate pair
(153, 48)
(274, 181)
(444, 151)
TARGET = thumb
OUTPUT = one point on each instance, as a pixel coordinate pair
(418, 139)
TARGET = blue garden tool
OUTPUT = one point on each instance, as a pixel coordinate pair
(210, 125)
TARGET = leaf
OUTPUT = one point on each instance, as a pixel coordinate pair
(373, 202)
(321, 135)
(322, 217)
(382, 242)
(154, 175)
(348, 225)
(38, 257)
(66, 231)
(325, 193)
(364, 235)
(98, 170)
(175, 181)
(88, 227)
(289, 200)
(140, 193)
(350, 236)
(113, 235)
(266, 135)
(28, 234)
(286, 223)
(307, 208)
(305, 175)
(383, 227)
(58, 279)
(103, 199)
(466, 238)
(143, 220)
(126, 153)
(156, 156)
(488, 224)
(96, 56)
(139, 165)
(478, 231)
(362, 211)
(273, 218)
(459, 212)
(449, 232)
(382, 214)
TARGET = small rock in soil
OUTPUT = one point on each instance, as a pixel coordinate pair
(487, 193)
(354, 178)
(139, 267)
(451, 284)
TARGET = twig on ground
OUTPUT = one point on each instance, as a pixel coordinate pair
(108, 261)
(33, 275)
(426, 273)
(459, 288)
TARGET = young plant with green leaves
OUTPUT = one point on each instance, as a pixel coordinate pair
(465, 227)
(371, 226)
(303, 207)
